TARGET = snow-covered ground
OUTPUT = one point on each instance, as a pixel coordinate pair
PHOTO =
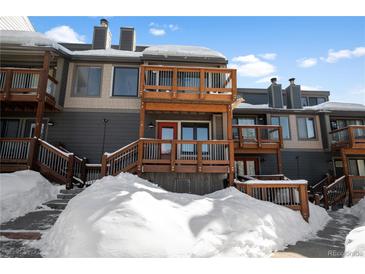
(126, 216)
(355, 240)
(22, 191)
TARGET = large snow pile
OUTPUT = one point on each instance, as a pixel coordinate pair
(22, 191)
(355, 240)
(126, 216)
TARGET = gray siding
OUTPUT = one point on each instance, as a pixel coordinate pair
(82, 132)
(195, 183)
(99, 38)
(308, 165)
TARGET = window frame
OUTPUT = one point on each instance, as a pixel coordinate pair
(289, 128)
(113, 81)
(314, 128)
(73, 92)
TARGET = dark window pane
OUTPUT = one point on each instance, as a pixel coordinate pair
(9, 128)
(125, 82)
(87, 81)
(284, 122)
(312, 101)
(302, 128)
(304, 101)
(321, 100)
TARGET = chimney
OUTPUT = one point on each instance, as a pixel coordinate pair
(127, 40)
(293, 95)
(275, 94)
(102, 38)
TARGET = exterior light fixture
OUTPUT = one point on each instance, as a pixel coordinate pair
(151, 125)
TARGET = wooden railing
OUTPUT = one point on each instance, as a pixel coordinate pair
(55, 163)
(335, 192)
(257, 136)
(15, 151)
(188, 83)
(357, 187)
(93, 173)
(293, 195)
(351, 137)
(19, 82)
(156, 155)
(316, 190)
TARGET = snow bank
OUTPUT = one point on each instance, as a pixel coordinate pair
(355, 240)
(126, 216)
(22, 191)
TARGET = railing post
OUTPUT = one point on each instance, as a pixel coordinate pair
(7, 86)
(231, 162)
(174, 83)
(104, 166)
(325, 198)
(142, 82)
(173, 155)
(281, 136)
(199, 156)
(69, 175)
(240, 136)
(140, 158)
(234, 84)
(33, 154)
(83, 172)
(258, 136)
(351, 136)
(303, 197)
(202, 84)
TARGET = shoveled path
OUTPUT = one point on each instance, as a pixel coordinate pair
(329, 243)
(17, 234)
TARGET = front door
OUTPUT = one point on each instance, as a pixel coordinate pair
(166, 131)
(246, 166)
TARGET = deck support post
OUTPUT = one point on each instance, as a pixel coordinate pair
(41, 94)
(346, 173)
(142, 115)
(304, 206)
(279, 161)
(231, 145)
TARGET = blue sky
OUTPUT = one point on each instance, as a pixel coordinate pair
(326, 53)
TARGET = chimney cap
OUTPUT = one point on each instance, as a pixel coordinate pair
(273, 80)
(104, 22)
(291, 80)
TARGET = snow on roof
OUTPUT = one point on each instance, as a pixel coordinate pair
(338, 106)
(183, 51)
(28, 38)
(107, 52)
(247, 105)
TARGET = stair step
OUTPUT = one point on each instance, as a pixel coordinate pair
(57, 204)
(65, 196)
(71, 191)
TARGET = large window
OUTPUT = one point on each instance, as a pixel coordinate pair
(10, 128)
(125, 81)
(306, 128)
(282, 121)
(88, 81)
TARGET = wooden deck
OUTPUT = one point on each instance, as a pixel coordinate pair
(21, 89)
(351, 137)
(188, 84)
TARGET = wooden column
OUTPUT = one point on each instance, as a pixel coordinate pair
(104, 166)
(234, 84)
(303, 197)
(8, 81)
(279, 161)
(174, 83)
(41, 94)
(231, 146)
(202, 83)
(346, 172)
(142, 115)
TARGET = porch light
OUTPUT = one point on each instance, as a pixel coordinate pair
(151, 125)
(50, 123)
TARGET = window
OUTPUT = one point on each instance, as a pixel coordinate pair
(125, 81)
(312, 101)
(304, 101)
(306, 128)
(321, 100)
(194, 131)
(10, 128)
(88, 81)
(282, 121)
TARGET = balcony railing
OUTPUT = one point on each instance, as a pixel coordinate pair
(156, 155)
(350, 137)
(17, 83)
(187, 83)
(257, 136)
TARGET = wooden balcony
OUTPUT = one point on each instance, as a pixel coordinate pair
(257, 138)
(351, 137)
(22, 88)
(181, 156)
(188, 84)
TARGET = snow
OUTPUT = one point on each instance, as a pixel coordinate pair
(255, 181)
(28, 38)
(355, 240)
(126, 216)
(247, 105)
(337, 106)
(183, 51)
(22, 191)
(107, 52)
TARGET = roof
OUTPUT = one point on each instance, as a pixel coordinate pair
(16, 23)
(107, 52)
(337, 106)
(183, 51)
(29, 39)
